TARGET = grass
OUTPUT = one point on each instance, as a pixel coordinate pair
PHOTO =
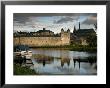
(83, 48)
(18, 70)
(70, 47)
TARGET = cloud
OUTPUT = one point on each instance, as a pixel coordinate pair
(66, 19)
(21, 20)
(90, 20)
(51, 21)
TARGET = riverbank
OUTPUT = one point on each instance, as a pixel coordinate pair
(71, 47)
(20, 70)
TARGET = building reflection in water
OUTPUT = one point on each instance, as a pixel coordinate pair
(65, 60)
(44, 61)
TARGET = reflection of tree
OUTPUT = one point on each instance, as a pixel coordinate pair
(43, 63)
(78, 60)
(90, 60)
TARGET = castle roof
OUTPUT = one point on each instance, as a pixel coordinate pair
(84, 32)
(43, 31)
(40, 31)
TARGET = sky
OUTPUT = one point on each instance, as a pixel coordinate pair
(32, 22)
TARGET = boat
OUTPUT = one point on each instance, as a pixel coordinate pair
(22, 50)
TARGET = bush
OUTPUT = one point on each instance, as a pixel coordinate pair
(18, 70)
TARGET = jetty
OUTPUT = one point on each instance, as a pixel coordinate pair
(23, 55)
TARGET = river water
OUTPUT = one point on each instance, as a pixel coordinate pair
(64, 62)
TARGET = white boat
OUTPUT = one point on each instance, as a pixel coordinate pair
(23, 53)
(29, 52)
(22, 50)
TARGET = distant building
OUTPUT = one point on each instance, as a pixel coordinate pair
(80, 36)
(84, 32)
(40, 33)
(44, 32)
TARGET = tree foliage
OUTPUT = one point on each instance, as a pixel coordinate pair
(92, 40)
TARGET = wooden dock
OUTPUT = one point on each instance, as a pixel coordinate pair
(25, 60)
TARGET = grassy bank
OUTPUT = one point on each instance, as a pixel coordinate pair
(70, 47)
(18, 70)
(83, 48)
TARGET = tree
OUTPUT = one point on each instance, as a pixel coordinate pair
(92, 40)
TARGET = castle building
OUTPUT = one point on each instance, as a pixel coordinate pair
(42, 38)
(48, 38)
(44, 33)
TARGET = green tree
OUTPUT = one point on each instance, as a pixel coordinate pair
(92, 40)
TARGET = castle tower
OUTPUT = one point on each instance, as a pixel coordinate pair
(62, 33)
(65, 37)
(68, 30)
(68, 33)
(62, 30)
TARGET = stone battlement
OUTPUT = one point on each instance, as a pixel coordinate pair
(47, 38)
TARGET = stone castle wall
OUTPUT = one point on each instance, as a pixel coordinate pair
(43, 41)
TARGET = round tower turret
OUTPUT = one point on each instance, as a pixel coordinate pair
(62, 30)
(68, 30)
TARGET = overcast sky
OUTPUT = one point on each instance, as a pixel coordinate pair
(53, 21)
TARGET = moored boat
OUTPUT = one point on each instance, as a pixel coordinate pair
(22, 50)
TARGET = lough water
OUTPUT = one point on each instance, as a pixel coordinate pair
(64, 62)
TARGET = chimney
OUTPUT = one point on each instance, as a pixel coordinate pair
(79, 25)
(43, 28)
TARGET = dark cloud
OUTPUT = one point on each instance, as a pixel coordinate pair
(25, 17)
(52, 14)
(88, 14)
(28, 18)
(66, 19)
(90, 20)
(71, 17)
(24, 20)
(20, 19)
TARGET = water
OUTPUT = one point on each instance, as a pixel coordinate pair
(64, 62)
